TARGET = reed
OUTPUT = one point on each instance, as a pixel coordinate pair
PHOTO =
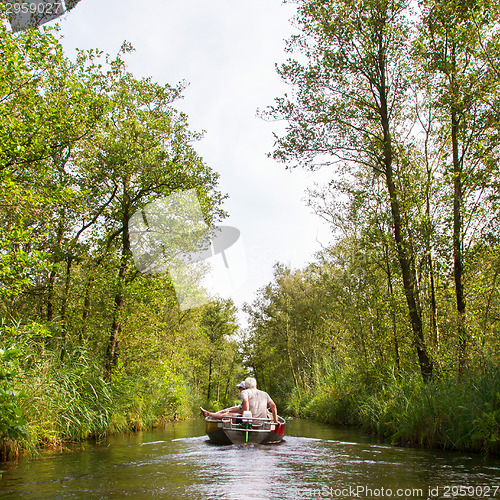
(56, 402)
(333, 396)
(452, 415)
(446, 413)
(148, 399)
(66, 402)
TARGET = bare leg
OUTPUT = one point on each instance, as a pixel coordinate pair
(219, 415)
(206, 413)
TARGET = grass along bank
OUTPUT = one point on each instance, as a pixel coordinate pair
(45, 402)
(400, 408)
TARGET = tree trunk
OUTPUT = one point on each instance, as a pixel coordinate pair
(64, 325)
(433, 312)
(457, 248)
(409, 283)
(112, 352)
(53, 270)
(397, 358)
(401, 245)
(228, 381)
(86, 306)
(289, 355)
(50, 294)
(209, 390)
(434, 323)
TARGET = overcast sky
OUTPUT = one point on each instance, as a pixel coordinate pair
(227, 51)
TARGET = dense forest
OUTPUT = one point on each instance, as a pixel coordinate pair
(88, 344)
(395, 326)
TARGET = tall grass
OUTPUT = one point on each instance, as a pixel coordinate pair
(334, 399)
(400, 408)
(11, 418)
(148, 399)
(66, 401)
(448, 414)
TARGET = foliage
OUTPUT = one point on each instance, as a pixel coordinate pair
(403, 410)
(442, 414)
(399, 101)
(400, 104)
(218, 323)
(146, 401)
(11, 418)
(329, 342)
(65, 402)
(351, 112)
(90, 344)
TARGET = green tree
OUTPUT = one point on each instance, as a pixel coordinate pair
(28, 137)
(463, 89)
(84, 146)
(290, 331)
(349, 108)
(218, 323)
(142, 152)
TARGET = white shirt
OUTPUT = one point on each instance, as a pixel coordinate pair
(257, 402)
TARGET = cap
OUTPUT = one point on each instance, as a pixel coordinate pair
(241, 384)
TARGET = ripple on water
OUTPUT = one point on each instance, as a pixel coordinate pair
(180, 463)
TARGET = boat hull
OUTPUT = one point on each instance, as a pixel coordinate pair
(227, 431)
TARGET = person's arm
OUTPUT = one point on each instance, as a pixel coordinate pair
(244, 404)
(274, 410)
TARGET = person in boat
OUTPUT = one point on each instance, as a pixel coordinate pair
(235, 411)
(257, 401)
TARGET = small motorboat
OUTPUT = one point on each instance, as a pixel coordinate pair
(245, 429)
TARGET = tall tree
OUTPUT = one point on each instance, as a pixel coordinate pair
(143, 152)
(453, 34)
(349, 108)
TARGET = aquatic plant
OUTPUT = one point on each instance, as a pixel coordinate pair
(401, 408)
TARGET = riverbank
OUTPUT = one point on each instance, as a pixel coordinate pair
(444, 414)
(51, 403)
(56, 404)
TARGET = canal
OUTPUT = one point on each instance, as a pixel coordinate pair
(315, 461)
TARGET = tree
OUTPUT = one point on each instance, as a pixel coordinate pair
(358, 211)
(142, 152)
(463, 90)
(349, 108)
(48, 105)
(85, 145)
(218, 323)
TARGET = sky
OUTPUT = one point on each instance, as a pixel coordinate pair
(227, 51)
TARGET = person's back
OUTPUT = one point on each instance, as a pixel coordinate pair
(257, 401)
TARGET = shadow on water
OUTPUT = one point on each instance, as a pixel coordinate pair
(314, 461)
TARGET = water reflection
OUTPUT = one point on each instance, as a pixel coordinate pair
(314, 461)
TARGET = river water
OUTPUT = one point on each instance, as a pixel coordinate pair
(314, 461)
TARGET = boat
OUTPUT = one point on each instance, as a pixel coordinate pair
(245, 430)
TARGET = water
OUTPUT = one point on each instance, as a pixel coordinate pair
(315, 461)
